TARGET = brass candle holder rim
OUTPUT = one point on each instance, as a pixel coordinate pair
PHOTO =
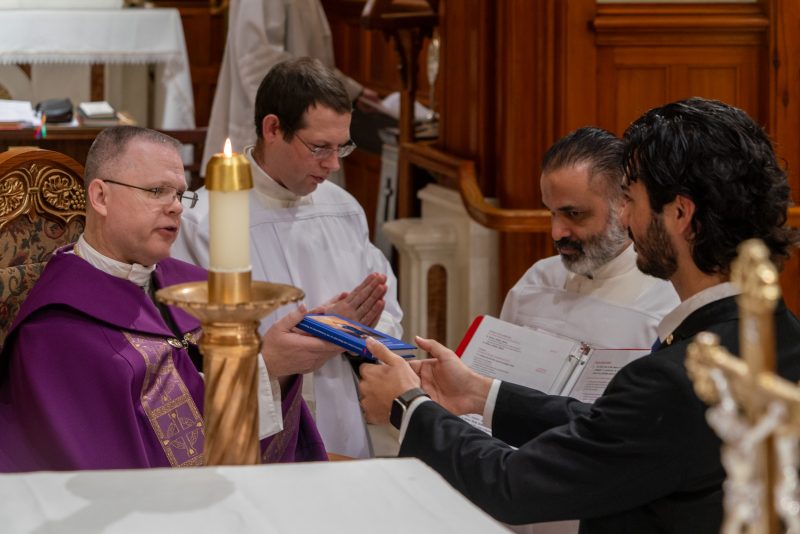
(193, 297)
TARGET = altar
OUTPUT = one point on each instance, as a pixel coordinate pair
(363, 496)
(112, 37)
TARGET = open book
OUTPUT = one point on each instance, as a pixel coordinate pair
(541, 360)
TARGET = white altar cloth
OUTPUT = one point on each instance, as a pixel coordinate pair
(108, 36)
(363, 496)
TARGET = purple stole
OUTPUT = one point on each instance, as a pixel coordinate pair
(91, 377)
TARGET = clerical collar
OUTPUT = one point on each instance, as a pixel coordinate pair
(138, 274)
(673, 319)
(269, 192)
(623, 263)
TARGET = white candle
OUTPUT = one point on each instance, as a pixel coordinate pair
(229, 214)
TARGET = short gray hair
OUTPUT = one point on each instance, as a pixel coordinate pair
(111, 143)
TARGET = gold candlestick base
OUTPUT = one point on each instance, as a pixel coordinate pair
(230, 345)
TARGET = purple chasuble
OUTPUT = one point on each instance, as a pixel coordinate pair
(91, 377)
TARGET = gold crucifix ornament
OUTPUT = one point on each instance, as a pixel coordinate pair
(755, 412)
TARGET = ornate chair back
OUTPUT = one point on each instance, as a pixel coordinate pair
(42, 207)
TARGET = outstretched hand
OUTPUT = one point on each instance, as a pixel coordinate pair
(287, 351)
(364, 303)
(448, 381)
(381, 383)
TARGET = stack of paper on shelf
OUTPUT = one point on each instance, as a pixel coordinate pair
(15, 114)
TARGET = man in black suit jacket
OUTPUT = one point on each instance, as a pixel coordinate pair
(700, 178)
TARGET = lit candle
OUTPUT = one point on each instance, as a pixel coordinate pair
(228, 181)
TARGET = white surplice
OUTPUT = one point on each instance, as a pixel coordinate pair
(319, 243)
(262, 33)
(617, 307)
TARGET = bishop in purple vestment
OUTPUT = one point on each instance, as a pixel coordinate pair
(95, 375)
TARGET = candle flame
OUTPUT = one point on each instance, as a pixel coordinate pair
(227, 150)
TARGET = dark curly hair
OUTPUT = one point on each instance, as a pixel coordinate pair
(293, 86)
(717, 156)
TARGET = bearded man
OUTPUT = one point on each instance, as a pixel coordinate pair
(591, 291)
(700, 177)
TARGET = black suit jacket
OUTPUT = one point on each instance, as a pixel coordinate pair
(640, 459)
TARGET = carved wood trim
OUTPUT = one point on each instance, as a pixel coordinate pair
(643, 25)
(461, 172)
(42, 183)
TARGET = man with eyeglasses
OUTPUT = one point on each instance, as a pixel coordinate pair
(311, 233)
(94, 373)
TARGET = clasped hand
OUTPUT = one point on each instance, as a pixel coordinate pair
(288, 351)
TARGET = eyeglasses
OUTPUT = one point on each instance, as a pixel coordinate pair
(324, 152)
(164, 194)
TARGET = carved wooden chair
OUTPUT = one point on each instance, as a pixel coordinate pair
(42, 206)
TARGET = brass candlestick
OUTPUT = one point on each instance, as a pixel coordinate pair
(230, 346)
(229, 307)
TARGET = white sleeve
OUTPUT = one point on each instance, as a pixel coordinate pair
(491, 401)
(270, 415)
(407, 416)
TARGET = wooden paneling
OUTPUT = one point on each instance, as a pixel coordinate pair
(783, 121)
(205, 33)
(525, 97)
(636, 79)
(371, 59)
(467, 77)
(518, 74)
(362, 173)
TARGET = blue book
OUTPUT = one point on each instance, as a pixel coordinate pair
(351, 335)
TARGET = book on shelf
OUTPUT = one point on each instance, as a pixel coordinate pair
(99, 114)
(351, 335)
(16, 114)
(541, 360)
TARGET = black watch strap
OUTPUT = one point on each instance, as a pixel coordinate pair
(401, 404)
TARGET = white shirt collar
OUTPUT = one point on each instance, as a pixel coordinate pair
(138, 274)
(621, 265)
(624, 262)
(270, 193)
(712, 294)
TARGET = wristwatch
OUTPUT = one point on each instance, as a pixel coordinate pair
(401, 404)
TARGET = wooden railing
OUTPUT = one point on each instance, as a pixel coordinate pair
(460, 173)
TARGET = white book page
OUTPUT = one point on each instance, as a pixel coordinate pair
(476, 421)
(598, 370)
(18, 111)
(520, 355)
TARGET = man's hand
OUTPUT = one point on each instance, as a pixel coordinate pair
(286, 351)
(448, 381)
(381, 383)
(363, 304)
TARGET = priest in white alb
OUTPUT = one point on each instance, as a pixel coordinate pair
(310, 233)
